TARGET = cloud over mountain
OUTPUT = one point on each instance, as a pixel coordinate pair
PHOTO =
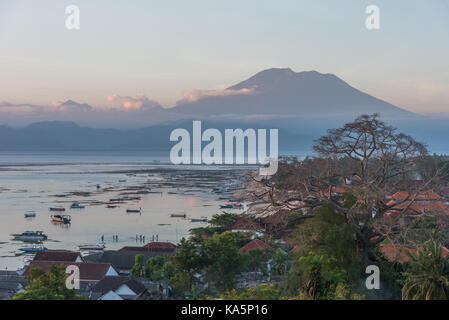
(196, 95)
(70, 105)
(136, 102)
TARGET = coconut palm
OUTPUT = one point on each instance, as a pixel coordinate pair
(427, 274)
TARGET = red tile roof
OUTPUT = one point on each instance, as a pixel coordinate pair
(399, 254)
(419, 207)
(255, 244)
(422, 196)
(155, 249)
(89, 272)
(57, 255)
(160, 245)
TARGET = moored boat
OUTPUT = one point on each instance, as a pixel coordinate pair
(60, 209)
(178, 215)
(34, 248)
(61, 218)
(30, 214)
(202, 219)
(31, 236)
(134, 210)
(226, 206)
(77, 205)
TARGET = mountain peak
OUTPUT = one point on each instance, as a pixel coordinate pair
(270, 79)
(282, 91)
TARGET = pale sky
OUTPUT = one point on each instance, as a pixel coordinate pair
(161, 49)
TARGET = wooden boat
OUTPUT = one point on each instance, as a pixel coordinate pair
(30, 236)
(134, 210)
(60, 209)
(30, 214)
(61, 218)
(226, 206)
(110, 206)
(178, 215)
(203, 219)
(92, 247)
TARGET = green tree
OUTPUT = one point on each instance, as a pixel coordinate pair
(138, 270)
(315, 276)
(187, 262)
(256, 260)
(280, 263)
(48, 286)
(168, 270)
(154, 267)
(223, 220)
(261, 292)
(427, 274)
(222, 259)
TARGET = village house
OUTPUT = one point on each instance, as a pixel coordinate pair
(122, 261)
(162, 247)
(90, 273)
(248, 225)
(420, 203)
(118, 288)
(277, 221)
(399, 253)
(157, 248)
(255, 244)
(58, 255)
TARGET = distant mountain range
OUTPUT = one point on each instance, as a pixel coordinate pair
(68, 136)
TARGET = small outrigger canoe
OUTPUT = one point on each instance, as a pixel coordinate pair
(227, 206)
(34, 249)
(77, 205)
(134, 210)
(61, 218)
(178, 215)
(60, 209)
(198, 220)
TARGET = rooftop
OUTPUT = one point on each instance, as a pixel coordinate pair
(255, 244)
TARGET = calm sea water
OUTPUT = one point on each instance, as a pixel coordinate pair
(36, 181)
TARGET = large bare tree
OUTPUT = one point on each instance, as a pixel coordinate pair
(366, 158)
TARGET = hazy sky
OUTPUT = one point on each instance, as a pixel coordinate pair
(162, 49)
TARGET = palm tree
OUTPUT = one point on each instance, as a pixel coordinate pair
(427, 274)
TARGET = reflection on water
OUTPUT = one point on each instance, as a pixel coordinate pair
(36, 183)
